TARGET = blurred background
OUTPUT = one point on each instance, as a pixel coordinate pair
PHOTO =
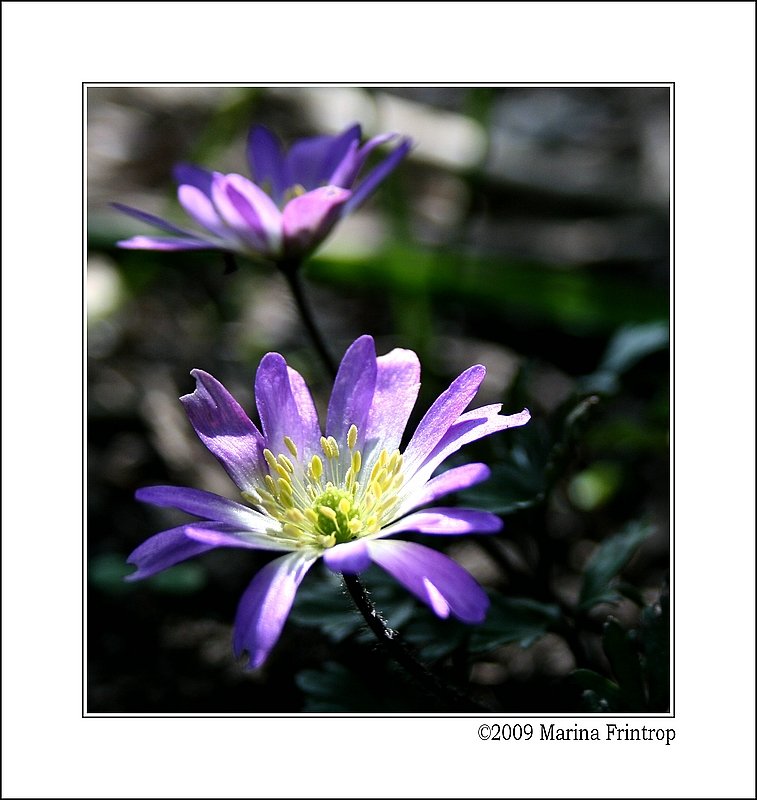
(528, 230)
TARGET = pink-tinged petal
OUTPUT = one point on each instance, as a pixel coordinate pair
(442, 414)
(265, 605)
(309, 218)
(226, 430)
(151, 219)
(350, 557)
(397, 383)
(453, 480)
(200, 207)
(224, 535)
(205, 504)
(167, 548)
(446, 522)
(280, 394)
(432, 577)
(266, 160)
(248, 211)
(353, 391)
(378, 174)
(166, 243)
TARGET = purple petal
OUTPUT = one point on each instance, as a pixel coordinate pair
(442, 414)
(265, 605)
(350, 557)
(397, 384)
(446, 522)
(151, 219)
(267, 164)
(200, 207)
(349, 167)
(248, 211)
(433, 578)
(225, 429)
(194, 176)
(341, 146)
(453, 480)
(166, 243)
(224, 535)
(468, 428)
(372, 180)
(285, 411)
(309, 218)
(352, 395)
(164, 550)
(310, 427)
(311, 161)
(205, 504)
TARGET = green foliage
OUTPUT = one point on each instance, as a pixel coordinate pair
(322, 603)
(607, 561)
(640, 665)
(514, 619)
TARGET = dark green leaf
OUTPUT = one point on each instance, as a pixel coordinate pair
(604, 691)
(334, 689)
(322, 603)
(655, 636)
(513, 620)
(632, 343)
(607, 561)
(432, 637)
(625, 664)
(181, 579)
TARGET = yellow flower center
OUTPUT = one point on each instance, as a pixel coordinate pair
(329, 500)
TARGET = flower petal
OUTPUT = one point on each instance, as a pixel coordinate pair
(350, 557)
(453, 480)
(309, 218)
(225, 429)
(164, 550)
(311, 161)
(468, 428)
(432, 577)
(284, 408)
(248, 211)
(207, 505)
(354, 158)
(379, 173)
(200, 207)
(446, 521)
(220, 534)
(397, 383)
(151, 219)
(442, 414)
(353, 391)
(266, 603)
(196, 176)
(267, 164)
(167, 243)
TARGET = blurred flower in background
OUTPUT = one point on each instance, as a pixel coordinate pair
(288, 208)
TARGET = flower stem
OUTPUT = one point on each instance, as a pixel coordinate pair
(291, 271)
(401, 653)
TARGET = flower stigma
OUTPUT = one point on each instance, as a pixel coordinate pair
(328, 500)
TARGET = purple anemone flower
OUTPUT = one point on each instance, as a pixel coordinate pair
(338, 495)
(288, 208)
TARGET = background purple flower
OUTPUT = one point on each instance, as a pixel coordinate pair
(288, 208)
(336, 494)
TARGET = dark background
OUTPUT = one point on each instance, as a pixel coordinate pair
(528, 231)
